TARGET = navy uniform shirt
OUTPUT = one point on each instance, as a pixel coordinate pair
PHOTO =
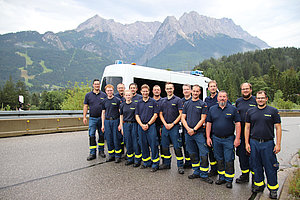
(223, 120)
(146, 110)
(128, 111)
(94, 101)
(136, 98)
(243, 106)
(111, 107)
(193, 111)
(159, 102)
(262, 122)
(120, 97)
(170, 108)
(185, 100)
(211, 101)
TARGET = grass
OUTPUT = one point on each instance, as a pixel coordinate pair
(27, 58)
(294, 187)
(45, 69)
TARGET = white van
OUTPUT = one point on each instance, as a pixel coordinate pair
(131, 73)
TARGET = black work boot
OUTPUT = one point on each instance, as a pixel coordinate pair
(164, 166)
(244, 178)
(273, 194)
(91, 157)
(212, 173)
(102, 154)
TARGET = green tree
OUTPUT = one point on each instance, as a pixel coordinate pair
(9, 95)
(75, 96)
(52, 100)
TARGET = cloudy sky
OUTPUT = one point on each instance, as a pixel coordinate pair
(277, 22)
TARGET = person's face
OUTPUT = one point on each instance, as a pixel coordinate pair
(212, 88)
(121, 88)
(145, 92)
(96, 85)
(246, 91)
(196, 92)
(128, 96)
(222, 98)
(109, 91)
(133, 89)
(156, 91)
(186, 91)
(169, 89)
(261, 100)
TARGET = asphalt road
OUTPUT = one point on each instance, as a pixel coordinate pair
(54, 166)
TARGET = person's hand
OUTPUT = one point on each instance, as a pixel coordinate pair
(209, 142)
(248, 148)
(277, 149)
(237, 142)
(84, 121)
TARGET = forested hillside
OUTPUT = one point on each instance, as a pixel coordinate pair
(270, 70)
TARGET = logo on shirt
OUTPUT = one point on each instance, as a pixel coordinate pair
(198, 107)
(101, 98)
(114, 103)
(228, 113)
(136, 100)
(132, 108)
(150, 106)
(267, 115)
(252, 105)
(173, 104)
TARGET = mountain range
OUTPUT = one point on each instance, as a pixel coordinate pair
(50, 60)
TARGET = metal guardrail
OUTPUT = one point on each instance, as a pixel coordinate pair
(17, 123)
(40, 114)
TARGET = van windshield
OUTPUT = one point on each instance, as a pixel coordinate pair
(113, 80)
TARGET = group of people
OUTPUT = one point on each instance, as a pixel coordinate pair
(211, 131)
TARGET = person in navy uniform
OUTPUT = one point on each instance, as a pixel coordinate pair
(133, 88)
(146, 113)
(93, 100)
(222, 120)
(187, 95)
(120, 89)
(243, 104)
(156, 90)
(211, 101)
(170, 115)
(110, 123)
(193, 117)
(259, 142)
(128, 127)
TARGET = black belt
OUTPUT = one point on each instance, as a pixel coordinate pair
(129, 122)
(223, 137)
(110, 118)
(261, 140)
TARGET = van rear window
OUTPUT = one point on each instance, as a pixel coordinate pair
(113, 80)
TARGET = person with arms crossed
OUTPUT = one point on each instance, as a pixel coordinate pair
(259, 142)
(94, 100)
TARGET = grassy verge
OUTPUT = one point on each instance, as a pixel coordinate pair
(294, 187)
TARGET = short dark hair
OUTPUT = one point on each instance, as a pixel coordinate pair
(133, 84)
(169, 83)
(196, 85)
(223, 91)
(145, 86)
(95, 80)
(262, 92)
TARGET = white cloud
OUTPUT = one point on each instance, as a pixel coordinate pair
(276, 22)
